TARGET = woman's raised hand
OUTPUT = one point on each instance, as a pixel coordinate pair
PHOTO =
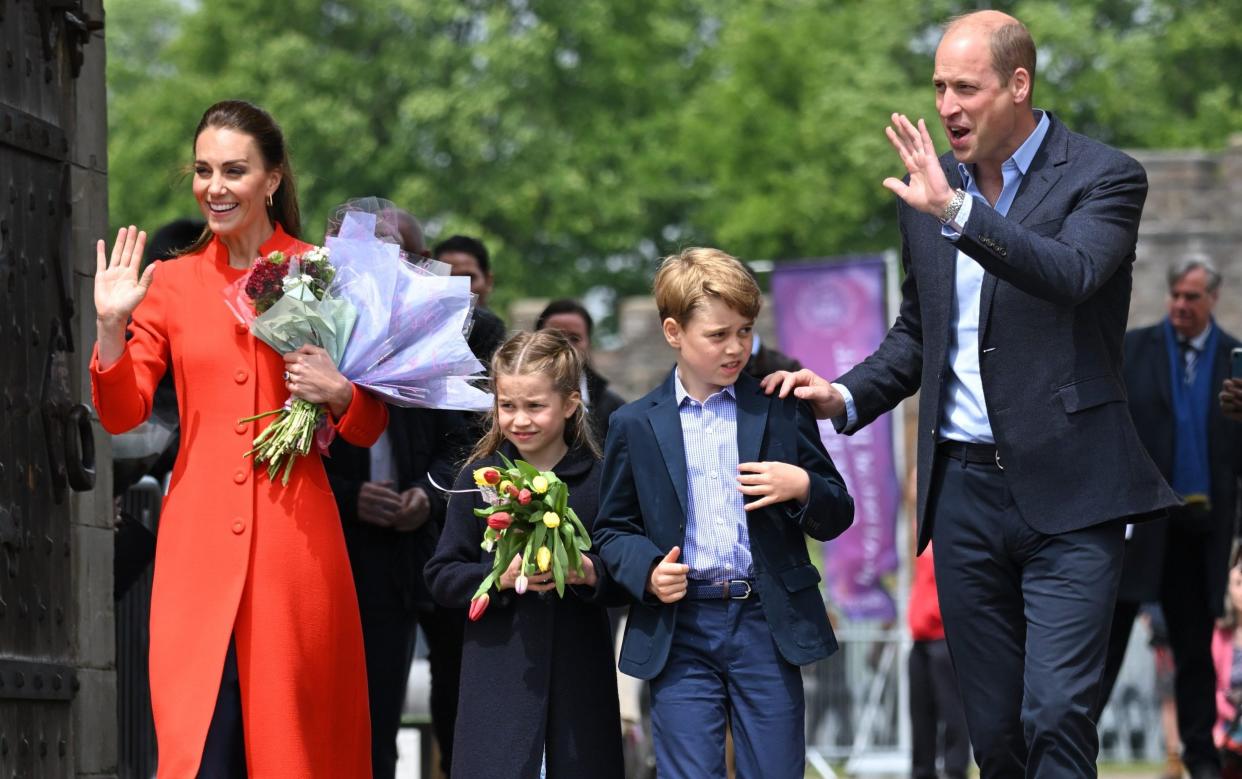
(118, 288)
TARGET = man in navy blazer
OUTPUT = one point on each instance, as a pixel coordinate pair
(722, 633)
(1018, 248)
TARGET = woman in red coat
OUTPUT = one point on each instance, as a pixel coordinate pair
(257, 664)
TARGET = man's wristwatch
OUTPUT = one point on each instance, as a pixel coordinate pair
(955, 205)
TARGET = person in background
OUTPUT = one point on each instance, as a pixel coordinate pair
(469, 257)
(392, 518)
(1227, 663)
(572, 319)
(1173, 370)
(937, 719)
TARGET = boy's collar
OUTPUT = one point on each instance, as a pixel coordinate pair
(680, 394)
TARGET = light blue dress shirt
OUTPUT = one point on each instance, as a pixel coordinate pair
(717, 539)
(965, 415)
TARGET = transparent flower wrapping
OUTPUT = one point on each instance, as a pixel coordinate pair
(388, 324)
(529, 514)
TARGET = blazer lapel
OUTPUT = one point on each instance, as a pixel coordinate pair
(1040, 178)
(666, 424)
(752, 418)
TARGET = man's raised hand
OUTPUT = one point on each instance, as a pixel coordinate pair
(928, 190)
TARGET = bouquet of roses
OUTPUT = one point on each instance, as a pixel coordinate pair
(529, 513)
(293, 306)
(389, 324)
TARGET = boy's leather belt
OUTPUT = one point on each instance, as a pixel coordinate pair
(733, 589)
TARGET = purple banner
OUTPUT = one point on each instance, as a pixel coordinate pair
(831, 316)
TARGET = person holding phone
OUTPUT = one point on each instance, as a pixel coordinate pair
(1173, 371)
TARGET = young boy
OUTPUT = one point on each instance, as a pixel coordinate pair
(728, 603)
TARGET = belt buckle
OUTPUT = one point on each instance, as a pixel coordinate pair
(744, 595)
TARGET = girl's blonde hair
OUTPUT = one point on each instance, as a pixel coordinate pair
(546, 353)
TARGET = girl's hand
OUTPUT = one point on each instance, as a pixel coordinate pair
(118, 288)
(588, 577)
(540, 581)
(311, 376)
(773, 482)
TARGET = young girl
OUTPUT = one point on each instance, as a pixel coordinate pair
(1227, 657)
(537, 675)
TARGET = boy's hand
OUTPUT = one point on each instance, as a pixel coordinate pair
(774, 482)
(668, 578)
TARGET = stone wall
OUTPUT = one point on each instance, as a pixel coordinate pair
(1194, 204)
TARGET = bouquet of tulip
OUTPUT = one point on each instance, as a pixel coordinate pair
(387, 322)
(293, 306)
(529, 513)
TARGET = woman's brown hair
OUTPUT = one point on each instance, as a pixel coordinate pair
(248, 118)
(546, 353)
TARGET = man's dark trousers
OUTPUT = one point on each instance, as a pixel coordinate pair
(1026, 616)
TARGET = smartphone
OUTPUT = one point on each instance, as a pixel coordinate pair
(1235, 363)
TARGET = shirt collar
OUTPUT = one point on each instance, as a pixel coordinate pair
(1200, 340)
(679, 390)
(1025, 155)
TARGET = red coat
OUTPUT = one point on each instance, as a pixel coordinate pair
(236, 554)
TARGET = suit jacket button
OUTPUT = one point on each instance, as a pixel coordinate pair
(241, 376)
(240, 477)
(239, 527)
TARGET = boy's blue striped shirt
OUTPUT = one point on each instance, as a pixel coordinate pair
(717, 539)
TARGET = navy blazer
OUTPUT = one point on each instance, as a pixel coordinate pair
(1052, 314)
(644, 504)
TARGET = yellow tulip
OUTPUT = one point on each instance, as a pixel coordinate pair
(539, 484)
(551, 520)
(544, 558)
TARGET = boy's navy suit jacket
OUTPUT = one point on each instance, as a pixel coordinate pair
(644, 505)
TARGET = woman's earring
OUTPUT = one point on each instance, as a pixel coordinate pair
(269, 198)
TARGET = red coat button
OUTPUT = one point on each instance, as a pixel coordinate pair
(239, 527)
(242, 428)
(241, 376)
(241, 329)
(240, 477)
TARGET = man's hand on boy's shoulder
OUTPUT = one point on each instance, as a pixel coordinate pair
(667, 580)
(824, 399)
(773, 482)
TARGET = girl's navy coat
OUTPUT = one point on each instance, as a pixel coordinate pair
(536, 668)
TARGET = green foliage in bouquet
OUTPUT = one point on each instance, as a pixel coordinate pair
(530, 516)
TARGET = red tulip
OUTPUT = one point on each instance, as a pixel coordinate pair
(478, 606)
(491, 475)
(499, 520)
(512, 490)
(524, 497)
